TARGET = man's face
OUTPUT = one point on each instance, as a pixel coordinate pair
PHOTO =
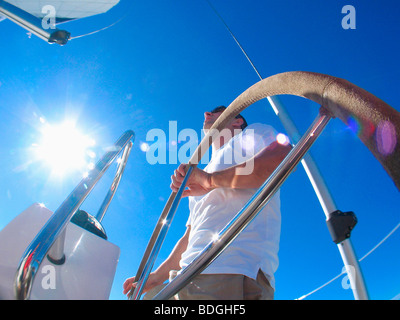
(210, 118)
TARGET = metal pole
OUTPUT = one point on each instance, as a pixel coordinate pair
(110, 195)
(248, 212)
(166, 223)
(327, 203)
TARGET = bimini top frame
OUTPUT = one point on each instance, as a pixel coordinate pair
(340, 98)
(33, 24)
(50, 237)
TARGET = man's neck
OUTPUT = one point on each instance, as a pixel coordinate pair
(218, 143)
(222, 140)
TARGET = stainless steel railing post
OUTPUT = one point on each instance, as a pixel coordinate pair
(56, 253)
(121, 167)
(155, 249)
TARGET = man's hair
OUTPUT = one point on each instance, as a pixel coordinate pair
(239, 116)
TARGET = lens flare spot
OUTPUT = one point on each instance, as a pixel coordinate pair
(144, 146)
(361, 129)
(282, 139)
(386, 139)
(353, 125)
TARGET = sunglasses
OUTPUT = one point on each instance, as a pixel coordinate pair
(239, 116)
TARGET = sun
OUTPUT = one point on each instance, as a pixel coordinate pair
(64, 149)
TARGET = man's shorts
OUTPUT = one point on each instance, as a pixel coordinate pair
(221, 287)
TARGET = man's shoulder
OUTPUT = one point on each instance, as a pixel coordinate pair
(262, 134)
(260, 128)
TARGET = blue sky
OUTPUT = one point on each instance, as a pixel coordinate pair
(171, 61)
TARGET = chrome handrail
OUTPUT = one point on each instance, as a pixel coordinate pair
(48, 235)
(155, 244)
(114, 185)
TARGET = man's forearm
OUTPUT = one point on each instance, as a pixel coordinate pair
(264, 163)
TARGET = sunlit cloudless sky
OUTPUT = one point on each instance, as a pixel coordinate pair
(171, 61)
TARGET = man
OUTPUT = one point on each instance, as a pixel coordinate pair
(245, 270)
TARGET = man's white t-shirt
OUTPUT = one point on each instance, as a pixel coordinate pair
(257, 245)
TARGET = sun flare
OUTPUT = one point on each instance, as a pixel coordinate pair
(63, 148)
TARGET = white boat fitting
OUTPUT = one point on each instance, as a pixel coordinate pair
(87, 271)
